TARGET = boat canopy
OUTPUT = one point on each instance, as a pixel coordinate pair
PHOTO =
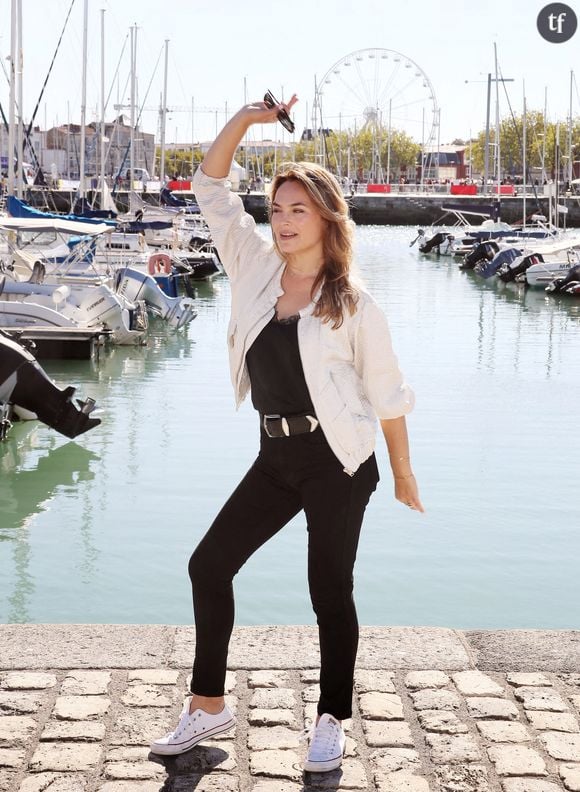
(483, 210)
(153, 225)
(18, 208)
(53, 224)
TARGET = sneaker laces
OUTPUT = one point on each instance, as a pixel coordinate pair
(183, 719)
(321, 737)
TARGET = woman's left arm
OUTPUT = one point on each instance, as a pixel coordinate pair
(397, 440)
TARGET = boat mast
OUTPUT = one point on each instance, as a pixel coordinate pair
(544, 180)
(315, 121)
(245, 140)
(497, 135)
(163, 118)
(486, 153)
(423, 153)
(524, 159)
(570, 168)
(389, 143)
(83, 103)
(12, 119)
(557, 170)
(192, 138)
(20, 138)
(102, 179)
(132, 131)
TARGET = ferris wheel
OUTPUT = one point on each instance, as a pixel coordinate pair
(377, 89)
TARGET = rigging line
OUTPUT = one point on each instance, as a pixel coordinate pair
(520, 141)
(28, 131)
(27, 141)
(115, 124)
(576, 84)
(117, 70)
(124, 160)
(178, 73)
(149, 86)
(4, 68)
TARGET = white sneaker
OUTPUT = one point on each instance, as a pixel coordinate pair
(192, 729)
(327, 744)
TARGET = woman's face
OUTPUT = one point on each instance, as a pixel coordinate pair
(297, 225)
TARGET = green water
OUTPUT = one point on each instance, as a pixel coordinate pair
(100, 530)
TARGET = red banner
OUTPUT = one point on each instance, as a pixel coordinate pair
(463, 189)
(378, 188)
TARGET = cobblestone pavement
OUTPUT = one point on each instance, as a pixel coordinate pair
(87, 730)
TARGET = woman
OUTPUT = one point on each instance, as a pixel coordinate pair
(317, 352)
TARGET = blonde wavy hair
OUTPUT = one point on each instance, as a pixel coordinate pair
(337, 290)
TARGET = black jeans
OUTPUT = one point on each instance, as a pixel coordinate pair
(289, 474)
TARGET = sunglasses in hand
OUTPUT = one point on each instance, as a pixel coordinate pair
(283, 116)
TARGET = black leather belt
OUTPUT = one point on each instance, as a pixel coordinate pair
(285, 426)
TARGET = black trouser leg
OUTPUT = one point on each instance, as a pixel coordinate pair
(335, 504)
(259, 507)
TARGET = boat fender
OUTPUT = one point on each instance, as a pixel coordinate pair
(159, 263)
(60, 296)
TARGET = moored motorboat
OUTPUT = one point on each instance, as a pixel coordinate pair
(569, 284)
(73, 304)
(487, 268)
(554, 265)
(514, 269)
(484, 251)
(64, 277)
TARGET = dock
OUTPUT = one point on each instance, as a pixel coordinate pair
(407, 207)
(435, 710)
(58, 343)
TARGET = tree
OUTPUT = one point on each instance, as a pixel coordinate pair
(178, 161)
(354, 154)
(404, 153)
(511, 145)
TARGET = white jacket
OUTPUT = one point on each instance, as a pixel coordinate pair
(352, 373)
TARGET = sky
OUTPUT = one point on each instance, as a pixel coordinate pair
(223, 50)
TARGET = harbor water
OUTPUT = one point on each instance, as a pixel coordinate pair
(101, 529)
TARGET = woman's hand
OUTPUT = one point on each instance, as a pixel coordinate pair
(218, 160)
(260, 113)
(407, 492)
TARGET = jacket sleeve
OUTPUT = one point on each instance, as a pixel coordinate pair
(377, 365)
(233, 230)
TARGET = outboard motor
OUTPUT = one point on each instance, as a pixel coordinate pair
(135, 286)
(24, 383)
(487, 269)
(509, 272)
(126, 319)
(482, 252)
(435, 242)
(569, 284)
(420, 233)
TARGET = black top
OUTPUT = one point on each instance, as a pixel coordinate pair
(276, 373)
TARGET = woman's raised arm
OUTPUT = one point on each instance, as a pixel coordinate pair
(218, 160)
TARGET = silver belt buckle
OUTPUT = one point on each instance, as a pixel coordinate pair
(273, 417)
